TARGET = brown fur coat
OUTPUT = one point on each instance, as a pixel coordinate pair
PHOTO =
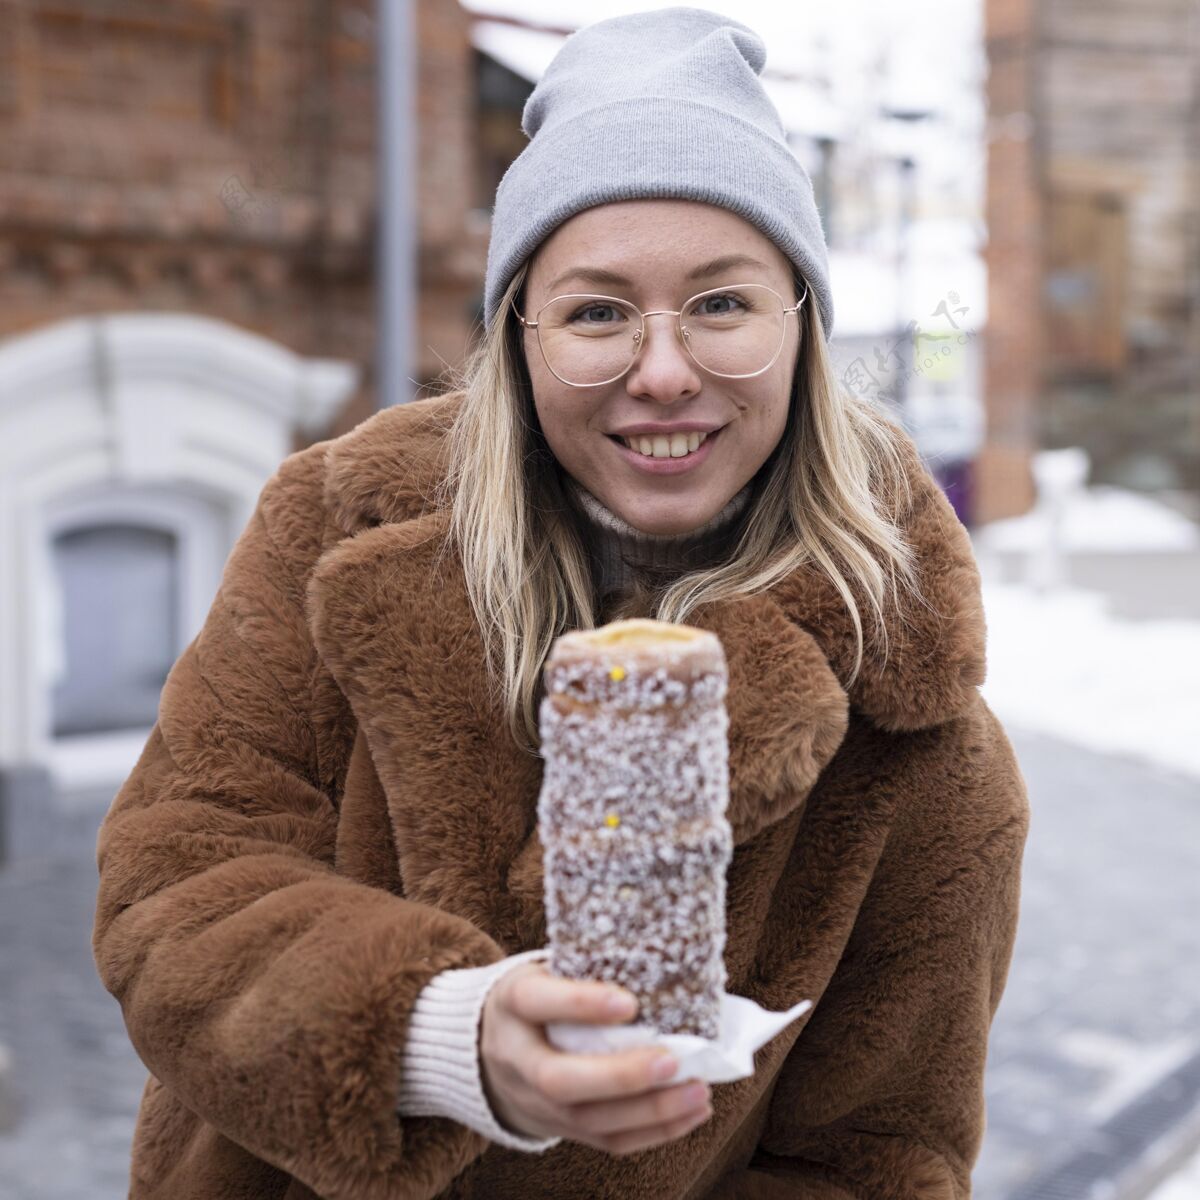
(329, 811)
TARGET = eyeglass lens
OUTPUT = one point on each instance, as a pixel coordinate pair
(593, 339)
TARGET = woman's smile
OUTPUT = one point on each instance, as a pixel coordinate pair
(663, 458)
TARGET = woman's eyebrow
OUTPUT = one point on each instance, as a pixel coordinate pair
(715, 266)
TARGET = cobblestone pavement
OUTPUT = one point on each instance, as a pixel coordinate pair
(1103, 996)
(76, 1079)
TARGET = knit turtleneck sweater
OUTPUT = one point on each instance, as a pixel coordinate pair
(619, 550)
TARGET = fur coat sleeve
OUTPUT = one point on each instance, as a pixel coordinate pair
(269, 993)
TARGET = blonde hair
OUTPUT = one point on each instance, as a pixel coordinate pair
(828, 495)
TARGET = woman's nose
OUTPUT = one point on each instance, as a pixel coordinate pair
(663, 368)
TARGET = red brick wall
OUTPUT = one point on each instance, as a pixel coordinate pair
(1012, 350)
(218, 158)
(1094, 242)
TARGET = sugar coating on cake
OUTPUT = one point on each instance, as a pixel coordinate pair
(631, 815)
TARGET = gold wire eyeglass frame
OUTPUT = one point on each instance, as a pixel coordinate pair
(639, 337)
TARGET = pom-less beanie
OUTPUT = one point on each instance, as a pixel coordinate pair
(665, 103)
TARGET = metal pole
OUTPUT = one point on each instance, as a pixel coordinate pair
(907, 349)
(396, 265)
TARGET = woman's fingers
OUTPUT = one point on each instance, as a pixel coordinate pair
(642, 1139)
(538, 997)
(643, 1113)
(581, 1078)
(616, 1102)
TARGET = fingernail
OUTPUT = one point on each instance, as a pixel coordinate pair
(619, 1005)
(664, 1067)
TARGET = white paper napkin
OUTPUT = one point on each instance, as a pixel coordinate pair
(744, 1027)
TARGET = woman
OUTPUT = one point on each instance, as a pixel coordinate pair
(320, 901)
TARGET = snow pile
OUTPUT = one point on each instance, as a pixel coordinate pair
(1060, 664)
(1097, 518)
(525, 52)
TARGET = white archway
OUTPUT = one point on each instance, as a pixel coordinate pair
(164, 422)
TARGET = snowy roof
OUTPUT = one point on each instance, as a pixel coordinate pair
(923, 54)
(526, 51)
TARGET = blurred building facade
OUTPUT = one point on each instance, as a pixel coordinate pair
(187, 209)
(187, 229)
(218, 159)
(1094, 242)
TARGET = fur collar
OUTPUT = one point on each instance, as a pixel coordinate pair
(401, 641)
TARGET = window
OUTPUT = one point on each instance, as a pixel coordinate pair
(119, 588)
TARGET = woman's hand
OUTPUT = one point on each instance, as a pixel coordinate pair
(602, 1100)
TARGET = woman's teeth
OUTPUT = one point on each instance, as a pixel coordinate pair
(675, 446)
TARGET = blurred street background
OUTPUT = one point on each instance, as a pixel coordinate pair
(213, 225)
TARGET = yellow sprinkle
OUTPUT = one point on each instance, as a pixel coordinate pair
(612, 820)
(617, 673)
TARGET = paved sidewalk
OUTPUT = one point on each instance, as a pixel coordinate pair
(1103, 998)
(1128, 1052)
(76, 1079)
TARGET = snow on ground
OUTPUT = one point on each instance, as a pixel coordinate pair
(1059, 664)
(1098, 518)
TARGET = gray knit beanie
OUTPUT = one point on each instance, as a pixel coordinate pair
(662, 103)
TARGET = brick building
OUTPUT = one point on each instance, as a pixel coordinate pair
(1093, 213)
(218, 159)
(187, 218)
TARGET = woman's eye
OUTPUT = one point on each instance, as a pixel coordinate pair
(718, 305)
(588, 315)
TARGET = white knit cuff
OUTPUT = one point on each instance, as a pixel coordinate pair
(440, 1072)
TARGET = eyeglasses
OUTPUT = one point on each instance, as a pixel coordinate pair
(735, 331)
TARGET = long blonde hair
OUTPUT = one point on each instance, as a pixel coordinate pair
(828, 495)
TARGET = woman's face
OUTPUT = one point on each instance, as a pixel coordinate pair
(657, 254)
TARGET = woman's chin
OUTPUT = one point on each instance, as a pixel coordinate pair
(657, 523)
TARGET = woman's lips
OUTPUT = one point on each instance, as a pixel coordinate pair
(668, 466)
